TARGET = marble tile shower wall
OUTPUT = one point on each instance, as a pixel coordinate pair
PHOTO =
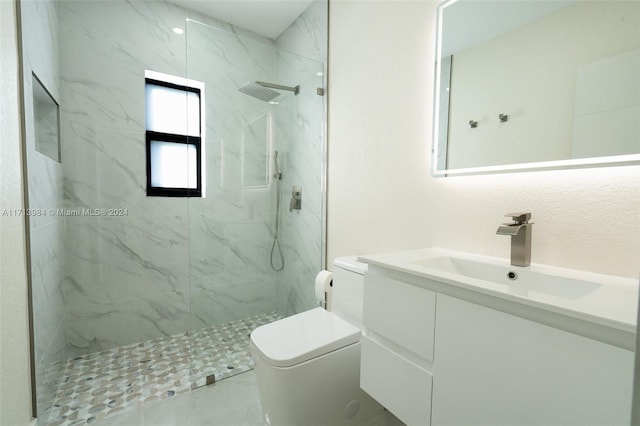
(128, 277)
(299, 134)
(231, 228)
(40, 56)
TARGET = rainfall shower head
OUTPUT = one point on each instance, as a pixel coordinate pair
(262, 90)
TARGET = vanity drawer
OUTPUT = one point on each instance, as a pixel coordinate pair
(401, 313)
(399, 385)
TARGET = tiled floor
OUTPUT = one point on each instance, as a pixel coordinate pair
(98, 386)
(231, 402)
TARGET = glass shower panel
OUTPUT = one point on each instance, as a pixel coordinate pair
(230, 229)
(300, 140)
(110, 264)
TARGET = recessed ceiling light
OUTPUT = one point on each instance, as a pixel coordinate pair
(178, 30)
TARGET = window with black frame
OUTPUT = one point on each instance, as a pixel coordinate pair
(173, 138)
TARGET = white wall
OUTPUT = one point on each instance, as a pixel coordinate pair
(15, 397)
(380, 90)
(381, 196)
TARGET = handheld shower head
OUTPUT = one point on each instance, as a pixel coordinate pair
(277, 174)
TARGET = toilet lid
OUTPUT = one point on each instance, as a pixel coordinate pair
(303, 336)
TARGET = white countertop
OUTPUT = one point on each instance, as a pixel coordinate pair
(612, 302)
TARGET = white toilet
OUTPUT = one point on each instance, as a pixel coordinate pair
(308, 365)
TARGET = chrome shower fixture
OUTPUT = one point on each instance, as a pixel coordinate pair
(262, 90)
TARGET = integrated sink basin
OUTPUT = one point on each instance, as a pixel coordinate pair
(591, 304)
(520, 280)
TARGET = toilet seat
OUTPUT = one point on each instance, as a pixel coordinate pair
(301, 337)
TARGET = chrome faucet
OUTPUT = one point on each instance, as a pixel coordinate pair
(520, 232)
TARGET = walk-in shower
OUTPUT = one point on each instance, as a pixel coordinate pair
(135, 297)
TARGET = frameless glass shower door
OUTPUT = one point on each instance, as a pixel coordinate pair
(260, 102)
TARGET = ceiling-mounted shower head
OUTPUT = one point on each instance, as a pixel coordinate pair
(262, 90)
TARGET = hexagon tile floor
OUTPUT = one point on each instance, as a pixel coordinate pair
(97, 385)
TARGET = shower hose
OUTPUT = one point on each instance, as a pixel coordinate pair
(276, 241)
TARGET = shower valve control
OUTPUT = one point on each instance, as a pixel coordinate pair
(296, 198)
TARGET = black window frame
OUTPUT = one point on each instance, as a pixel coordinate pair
(159, 191)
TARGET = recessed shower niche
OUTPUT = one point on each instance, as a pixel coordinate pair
(46, 113)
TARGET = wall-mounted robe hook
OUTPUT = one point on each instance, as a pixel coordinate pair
(503, 118)
(473, 124)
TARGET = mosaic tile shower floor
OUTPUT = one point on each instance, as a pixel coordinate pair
(98, 385)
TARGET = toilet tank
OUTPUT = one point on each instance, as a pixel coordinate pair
(347, 290)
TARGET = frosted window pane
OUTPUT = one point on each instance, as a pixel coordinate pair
(173, 165)
(172, 110)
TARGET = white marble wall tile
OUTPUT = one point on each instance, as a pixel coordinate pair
(208, 246)
(40, 41)
(115, 259)
(307, 35)
(218, 305)
(107, 168)
(106, 48)
(125, 274)
(225, 61)
(45, 183)
(226, 257)
(299, 131)
(96, 327)
(211, 21)
(47, 275)
(296, 291)
(44, 174)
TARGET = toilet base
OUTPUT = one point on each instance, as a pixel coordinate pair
(324, 391)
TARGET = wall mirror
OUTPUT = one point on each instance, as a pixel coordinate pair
(536, 85)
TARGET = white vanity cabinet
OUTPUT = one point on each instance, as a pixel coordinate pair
(435, 359)
(397, 347)
(493, 368)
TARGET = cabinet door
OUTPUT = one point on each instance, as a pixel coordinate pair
(400, 312)
(491, 368)
(399, 385)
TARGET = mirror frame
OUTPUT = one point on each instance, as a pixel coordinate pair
(609, 161)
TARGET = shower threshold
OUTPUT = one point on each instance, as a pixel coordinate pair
(97, 385)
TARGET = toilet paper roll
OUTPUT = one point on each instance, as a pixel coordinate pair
(323, 284)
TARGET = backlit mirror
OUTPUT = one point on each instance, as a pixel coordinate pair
(536, 85)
